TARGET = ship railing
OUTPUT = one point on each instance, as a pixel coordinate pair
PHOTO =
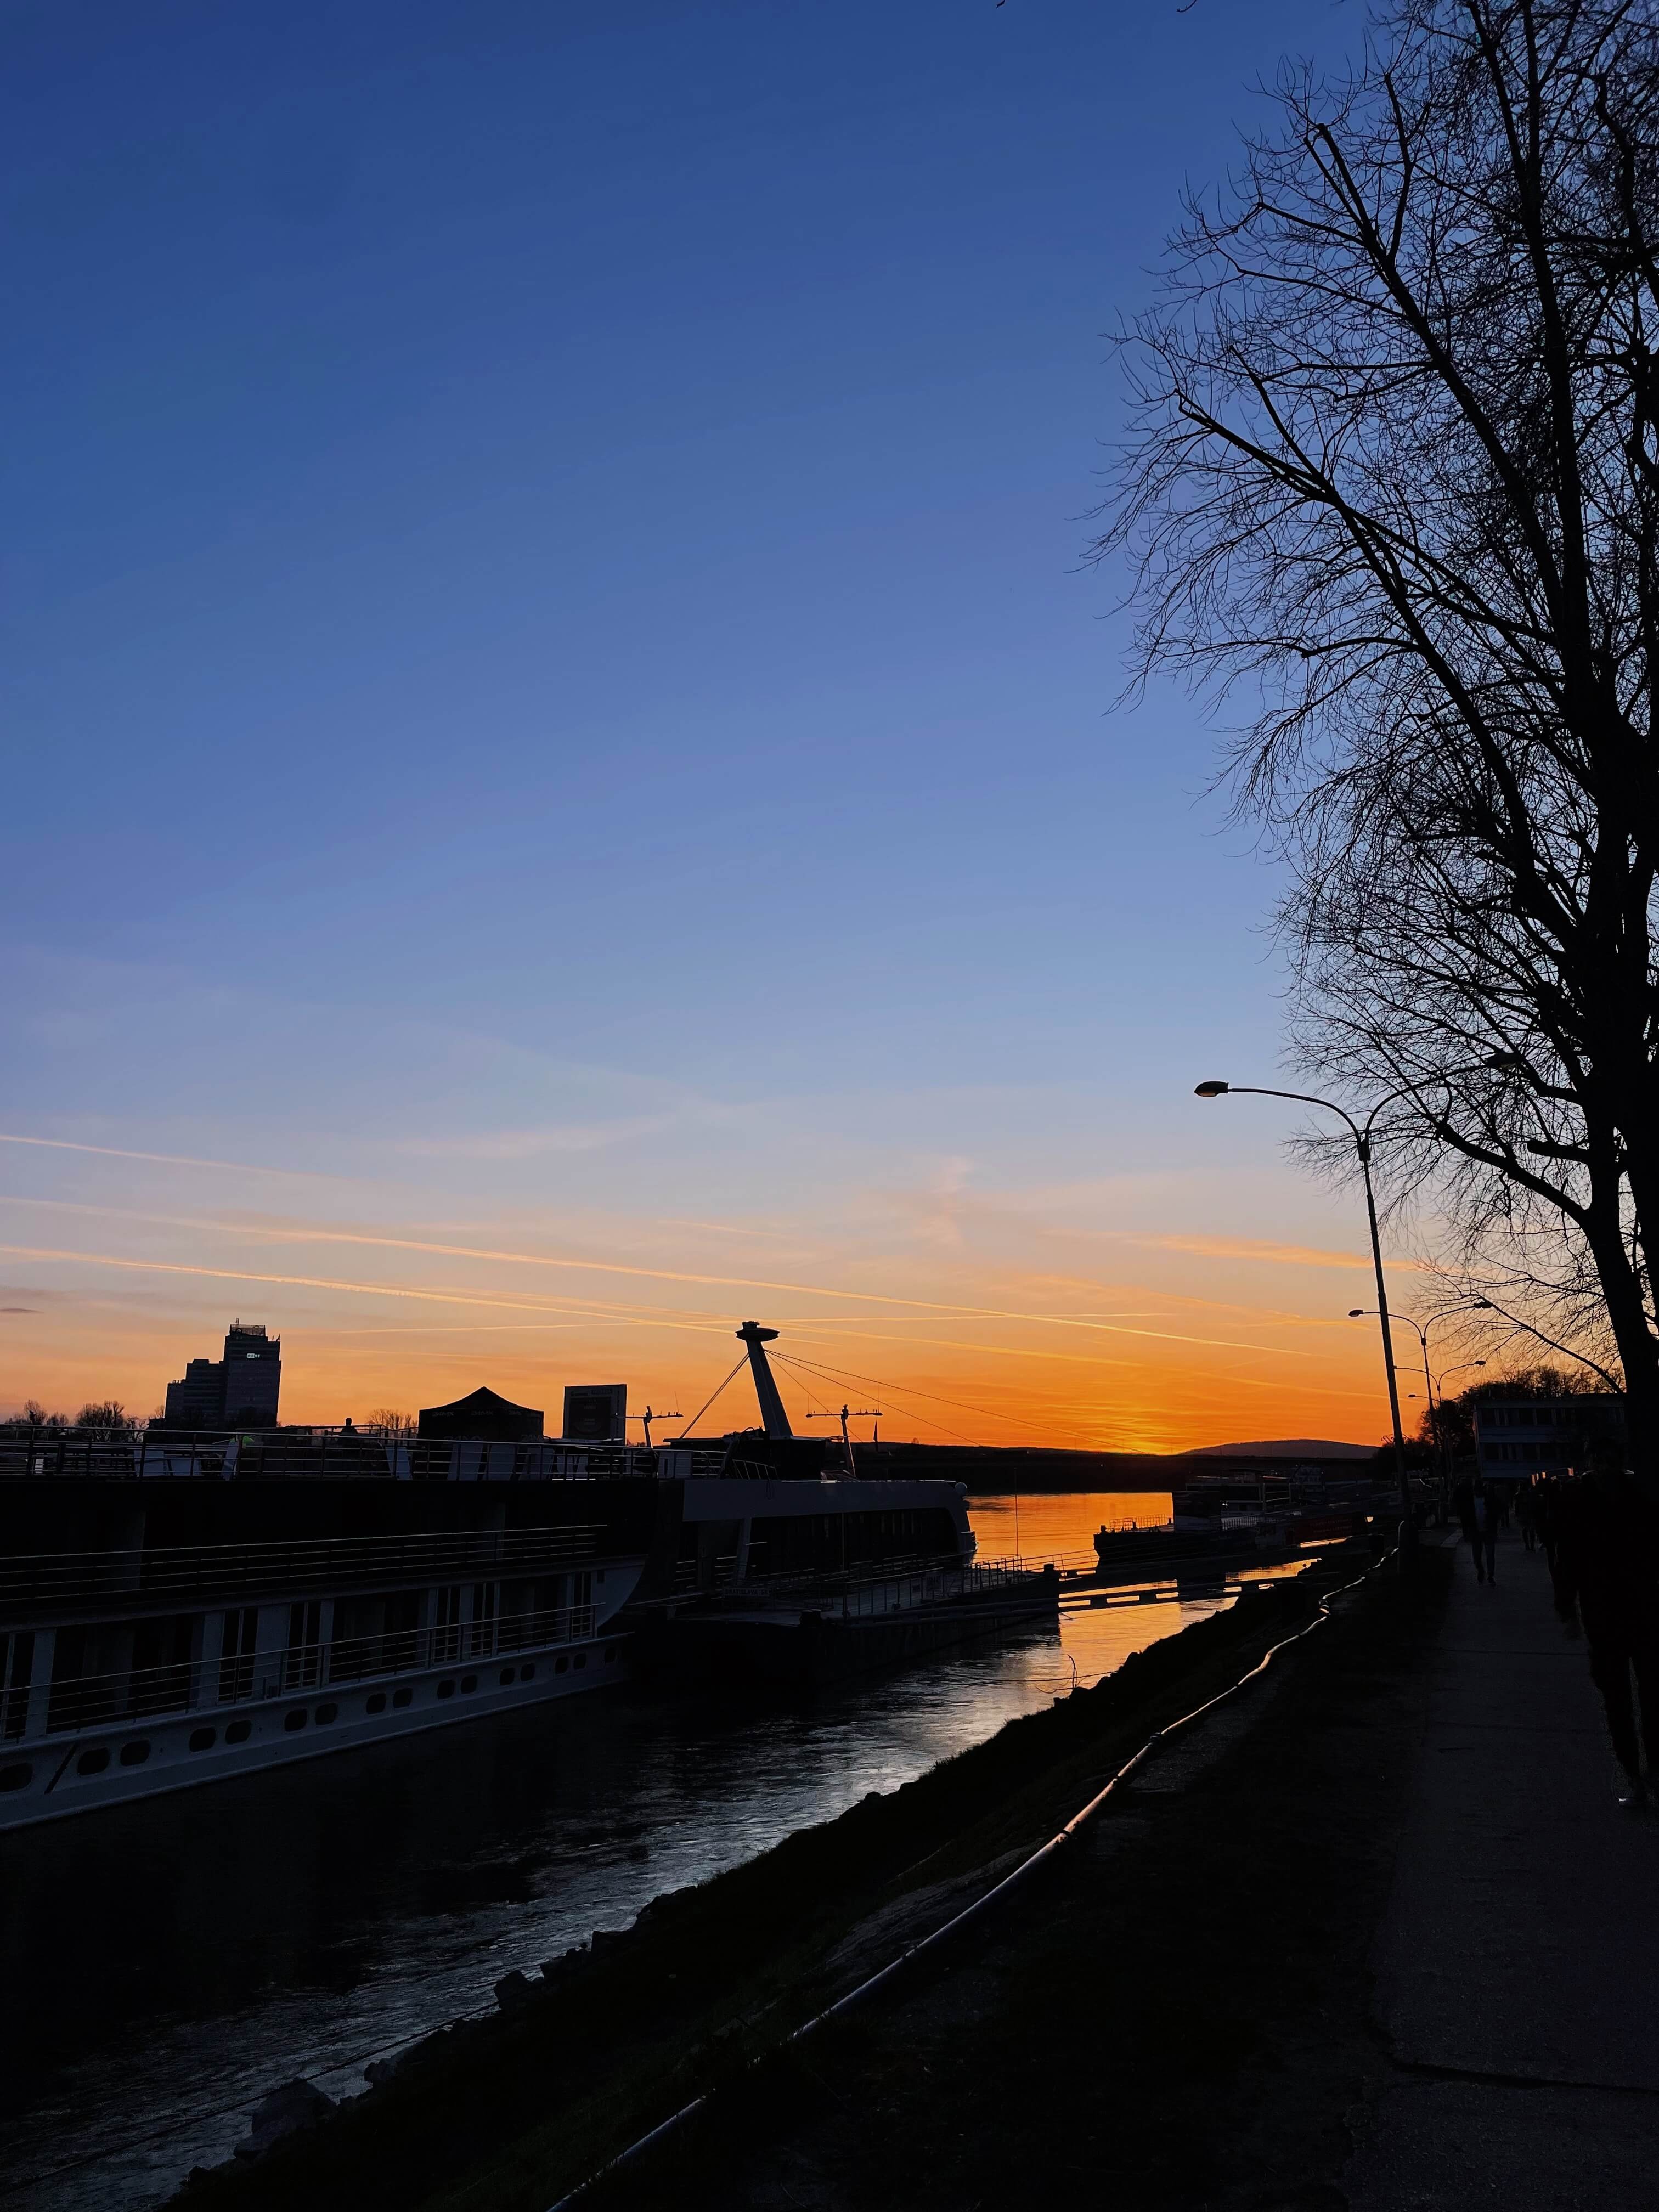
(84, 1702)
(61, 1579)
(336, 1455)
(871, 1586)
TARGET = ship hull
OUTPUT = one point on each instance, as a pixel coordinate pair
(170, 1752)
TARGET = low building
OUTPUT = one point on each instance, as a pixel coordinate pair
(1515, 1438)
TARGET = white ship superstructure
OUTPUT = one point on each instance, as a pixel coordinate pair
(181, 1608)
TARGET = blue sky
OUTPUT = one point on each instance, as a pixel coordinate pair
(554, 696)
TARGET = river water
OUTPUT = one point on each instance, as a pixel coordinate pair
(166, 1966)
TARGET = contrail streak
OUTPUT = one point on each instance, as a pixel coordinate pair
(171, 1159)
(432, 1247)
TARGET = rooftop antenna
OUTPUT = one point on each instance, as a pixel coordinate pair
(849, 1412)
(647, 1417)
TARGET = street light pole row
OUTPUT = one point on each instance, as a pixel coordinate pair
(1361, 1134)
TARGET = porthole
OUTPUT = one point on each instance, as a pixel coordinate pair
(204, 1739)
(610, 1653)
(527, 1674)
(326, 1713)
(506, 1676)
(469, 1683)
(581, 1659)
(294, 1720)
(17, 1778)
(92, 1762)
(402, 1696)
(445, 1689)
(561, 1665)
(135, 1754)
(377, 1703)
(239, 1731)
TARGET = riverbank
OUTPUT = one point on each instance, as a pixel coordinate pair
(512, 2111)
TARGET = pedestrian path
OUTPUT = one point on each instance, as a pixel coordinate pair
(1518, 1962)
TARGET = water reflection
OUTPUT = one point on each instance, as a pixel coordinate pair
(168, 1964)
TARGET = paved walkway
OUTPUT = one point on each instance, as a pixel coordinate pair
(1518, 1962)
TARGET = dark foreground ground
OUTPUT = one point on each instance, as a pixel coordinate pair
(1177, 2015)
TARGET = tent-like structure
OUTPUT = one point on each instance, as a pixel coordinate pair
(484, 1414)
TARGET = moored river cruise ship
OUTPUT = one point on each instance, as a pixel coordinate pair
(178, 1609)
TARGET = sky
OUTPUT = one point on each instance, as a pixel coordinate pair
(565, 783)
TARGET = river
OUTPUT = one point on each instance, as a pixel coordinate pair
(166, 1964)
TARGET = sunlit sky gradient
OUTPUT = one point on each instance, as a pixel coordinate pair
(564, 788)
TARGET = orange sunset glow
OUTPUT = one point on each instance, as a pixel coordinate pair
(1037, 1322)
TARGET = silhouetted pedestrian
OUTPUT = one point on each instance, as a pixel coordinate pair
(1490, 1507)
(1463, 1504)
(1526, 1515)
(1606, 1561)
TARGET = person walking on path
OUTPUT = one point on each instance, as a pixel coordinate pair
(1607, 1562)
(1526, 1517)
(1463, 1504)
(1490, 1507)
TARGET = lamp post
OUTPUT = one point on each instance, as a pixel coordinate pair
(1440, 1387)
(1361, 1134)
(1476, 1305)
(1489, 1305)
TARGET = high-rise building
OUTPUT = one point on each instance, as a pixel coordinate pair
(237, 1392)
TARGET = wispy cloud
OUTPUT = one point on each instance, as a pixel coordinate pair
(530, 1144)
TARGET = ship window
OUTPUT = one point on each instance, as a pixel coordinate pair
(527, 1674)
(581, 1659)
(402, 1696)
(327, 1713)
(445, 1689)
(17, 1778)
(506, 1676)
(239, 1731)
(92, 1762)
(559, 1665)
(135, 1753)
(204, 1739)
(610, 1653)
(469, 1683)
(377, 1703)
(294, 1720)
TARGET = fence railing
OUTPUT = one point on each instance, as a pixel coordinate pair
(929, 1576)
(84, 1702)
(344, 1563)
(336, 1455)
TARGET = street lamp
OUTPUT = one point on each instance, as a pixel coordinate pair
(1474, 1305)
(1361, 1134)
(1487, 1305)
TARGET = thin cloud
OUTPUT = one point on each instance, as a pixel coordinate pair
(932, 1307)
(529, 1144)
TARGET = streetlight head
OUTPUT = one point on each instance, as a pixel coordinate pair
(1210, 1089)
(1355, 1313)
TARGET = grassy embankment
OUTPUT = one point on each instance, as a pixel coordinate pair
(508, 2113)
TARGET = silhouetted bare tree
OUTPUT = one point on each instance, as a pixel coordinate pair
(1391, 491)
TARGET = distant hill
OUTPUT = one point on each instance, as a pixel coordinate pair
(1285, 1447)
